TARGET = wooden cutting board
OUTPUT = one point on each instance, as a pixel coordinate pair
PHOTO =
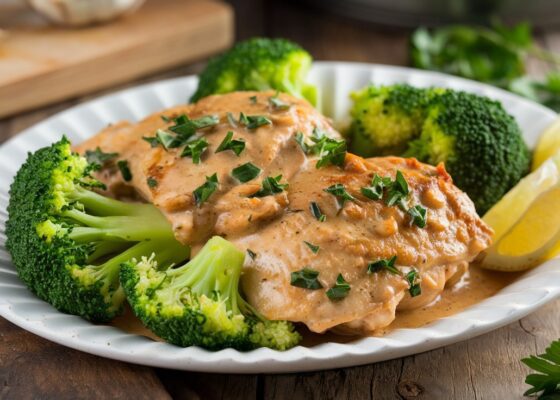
(41, 63)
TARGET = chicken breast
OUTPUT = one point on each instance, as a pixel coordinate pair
(281, 233)
(270, 147)
(360, 232)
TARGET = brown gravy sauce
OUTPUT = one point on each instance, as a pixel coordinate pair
(477, 284)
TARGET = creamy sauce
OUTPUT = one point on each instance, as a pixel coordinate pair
(475, 286)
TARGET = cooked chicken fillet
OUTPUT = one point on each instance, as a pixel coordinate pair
(230, 212)
(276, 227)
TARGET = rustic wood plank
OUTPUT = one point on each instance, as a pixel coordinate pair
(189, 385)
(44, 64)
(31, 367)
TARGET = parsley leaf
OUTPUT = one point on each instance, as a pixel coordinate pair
(186, 127)
(418, 215)
(97, 156)
(253, 121)
(252, 254)
(277, 104)
(253, 99)
(231, 120)
(300, 139)
(194, 149)
(316, 212)
(270, 186)
(125, 171)
(547, 365)
(152, 182)
(312, 247)
(331, 151)
(235, 145)
(246, 172)
(398, 191)
(383, 264)
(306, 279)
(413, 279)
(339, 191)
(204, 191)
(339, 290)
(375, 190)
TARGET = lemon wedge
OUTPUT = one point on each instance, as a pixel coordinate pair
(526, 222)
(548, 145)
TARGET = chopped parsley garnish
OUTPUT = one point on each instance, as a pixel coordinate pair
(231, 120)
(153, 140)
(252, 254)
(330, 151)
(306, 279)
(413, 279)
(312, 247)
(165, 118)
(235, 145)
(277, 104)
(253, 99)
(388, 264)
(375, 190)
(253, 121)
(395, 193)
(339, 290)
(186, 127)
(418, 215)
(383, 264)
(203, 192)
(316, 212)
(270, 186)
(98, 157)
(339, 191)
(167, 140)
(194, 149)
(180, 135)
(152, 182)
(398, 191)
(300, 139)
(246, 172)
(125, 171)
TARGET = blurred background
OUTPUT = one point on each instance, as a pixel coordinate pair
(55, 50)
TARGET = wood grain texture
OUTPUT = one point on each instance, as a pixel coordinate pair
(486, 367)
(39, 65)
(31, 367)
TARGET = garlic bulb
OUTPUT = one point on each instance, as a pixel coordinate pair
(83, 12)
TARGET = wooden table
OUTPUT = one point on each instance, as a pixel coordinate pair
(486, 367)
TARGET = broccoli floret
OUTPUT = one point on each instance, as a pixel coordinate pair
(199, 302)
(479, 142)
(258, 64)
(385, 118)
(67, 241)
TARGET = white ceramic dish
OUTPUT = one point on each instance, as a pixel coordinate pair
(336, 80)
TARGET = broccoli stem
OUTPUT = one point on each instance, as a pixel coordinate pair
(100, 205)
(130, 228)
(168, 252)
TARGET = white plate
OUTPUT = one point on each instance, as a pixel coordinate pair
(336, 80)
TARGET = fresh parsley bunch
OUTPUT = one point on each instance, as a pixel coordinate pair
(547, 381)
(496, 55)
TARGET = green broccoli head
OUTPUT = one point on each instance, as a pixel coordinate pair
(385, 118)
(258, 64)
(199, 303)
(67, 242)
(479, 142)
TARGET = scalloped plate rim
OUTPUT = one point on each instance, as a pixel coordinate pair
(400, 343)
